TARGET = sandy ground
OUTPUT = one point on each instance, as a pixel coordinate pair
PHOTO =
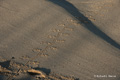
(61, 39)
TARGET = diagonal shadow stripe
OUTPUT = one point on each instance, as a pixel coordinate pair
(72, 10)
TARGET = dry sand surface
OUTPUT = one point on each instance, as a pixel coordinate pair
(59, 39)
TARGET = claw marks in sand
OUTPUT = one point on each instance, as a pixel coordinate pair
(62, 30)
(54, 39)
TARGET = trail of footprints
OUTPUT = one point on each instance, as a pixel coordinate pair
(98, 6)
(55, 39)
(50, 46)
(43, 52)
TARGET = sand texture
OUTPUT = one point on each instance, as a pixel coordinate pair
(59, 39)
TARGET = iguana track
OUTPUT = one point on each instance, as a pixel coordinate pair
(43, 51)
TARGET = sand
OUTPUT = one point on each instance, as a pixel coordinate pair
(59, 39)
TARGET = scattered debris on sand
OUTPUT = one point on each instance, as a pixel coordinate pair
(16, 69)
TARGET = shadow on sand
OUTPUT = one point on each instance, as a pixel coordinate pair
(73, 11)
